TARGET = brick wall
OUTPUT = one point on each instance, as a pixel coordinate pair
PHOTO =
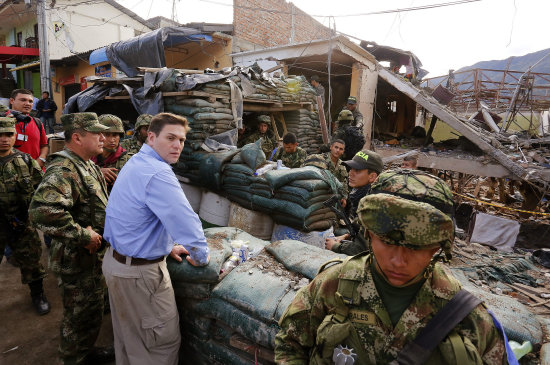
(270, 29)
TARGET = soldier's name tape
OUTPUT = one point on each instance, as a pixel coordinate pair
(363, 317)
(499, 206)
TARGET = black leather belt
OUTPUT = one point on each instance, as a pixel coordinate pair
(135, 261)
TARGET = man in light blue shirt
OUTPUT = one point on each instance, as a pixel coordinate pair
(147, 212)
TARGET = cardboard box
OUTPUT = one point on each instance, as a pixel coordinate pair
(56, 144)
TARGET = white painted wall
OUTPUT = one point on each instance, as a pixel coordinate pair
(87, 27)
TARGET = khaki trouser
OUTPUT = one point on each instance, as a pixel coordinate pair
(144, 313)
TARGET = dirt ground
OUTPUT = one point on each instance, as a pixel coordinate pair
(27, 338)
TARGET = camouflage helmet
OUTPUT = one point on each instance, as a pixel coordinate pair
(143, 120)
(345, 115)
(264, 119)
(409, 208)
(7, 125)
(317, 161)
(113, 122)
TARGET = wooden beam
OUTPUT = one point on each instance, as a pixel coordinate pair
(430, 130)
(322, 120)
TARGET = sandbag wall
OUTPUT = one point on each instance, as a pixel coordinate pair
(205, 118)
(231, 320)
(291, 197)
(305, 125)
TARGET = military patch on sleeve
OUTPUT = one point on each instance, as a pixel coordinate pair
(364, 317)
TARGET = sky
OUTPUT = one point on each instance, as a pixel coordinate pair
(442, 38)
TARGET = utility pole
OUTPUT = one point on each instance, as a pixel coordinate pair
(45, 79)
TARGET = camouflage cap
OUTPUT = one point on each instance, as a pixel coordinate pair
(352, 100)
(345, 115)
(264, 119)
(86, 121)
(143, 120)
(402, 222)
(7, 125)
(113, 122)
(410, 208)
(366, 159)
(3, 108)
(418, 186)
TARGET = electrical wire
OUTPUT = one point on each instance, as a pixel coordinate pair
(513, 21)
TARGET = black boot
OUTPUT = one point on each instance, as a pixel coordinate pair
(39, 301)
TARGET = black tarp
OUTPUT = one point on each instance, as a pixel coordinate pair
(147, 50)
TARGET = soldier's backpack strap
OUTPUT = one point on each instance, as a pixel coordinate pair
(419, 350)
(349, 279)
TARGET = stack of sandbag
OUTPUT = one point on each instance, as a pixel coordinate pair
(305, 125)
(234, 320)
(205, 118)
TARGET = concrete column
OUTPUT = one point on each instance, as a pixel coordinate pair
(364, 80)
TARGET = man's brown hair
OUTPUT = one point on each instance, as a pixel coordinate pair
(21, 91)
(160, 120)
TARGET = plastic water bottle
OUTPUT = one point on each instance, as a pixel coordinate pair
(243, 252)
(262, 170)
(231, 263)
(520, 350)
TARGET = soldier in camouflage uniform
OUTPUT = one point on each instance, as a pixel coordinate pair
(365, 167)
(345, 118)
(113, 156)
(291, 155)
(69, 206)
(378, 303)
(269, 142)
(20, 174)
(331, 162)
(133, 145)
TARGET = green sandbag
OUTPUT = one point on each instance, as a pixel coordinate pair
(191, 323)
(238, 159)
(198, 351)
(223, 110)
(284, 303)
(301, 192)
(230, 188)
(261, 332)
(200, 103)
(257, 294)
(303, 201)
(300, 257)
(213, 116)
(252, 155)
(192, 290)
(245, 203)
(320, 217)
(286, 207)
(311, 185)
(261, 192)
(300, 224)
(231, 180)
(220, 250)
(238, 175)
(278, 178)
(210, 170)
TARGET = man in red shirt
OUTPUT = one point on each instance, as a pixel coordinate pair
(31, 136)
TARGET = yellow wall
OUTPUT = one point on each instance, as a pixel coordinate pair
(83, 69)
(194, 55)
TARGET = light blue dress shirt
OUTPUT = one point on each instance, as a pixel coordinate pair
(147, 211)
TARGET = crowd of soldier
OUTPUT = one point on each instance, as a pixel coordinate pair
(69, 201)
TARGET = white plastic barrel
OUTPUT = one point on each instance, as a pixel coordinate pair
(258, 224)
(314, 238)
(193, 194)
(214, 209)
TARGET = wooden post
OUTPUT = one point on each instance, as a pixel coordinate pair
(430, 130)
(322, 120)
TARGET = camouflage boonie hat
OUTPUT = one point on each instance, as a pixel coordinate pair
(86, 121)
(264, 119)
(113, 122)
(345, 115)
(410, 208)
(7, 125)
(317, 161)
(143, 120)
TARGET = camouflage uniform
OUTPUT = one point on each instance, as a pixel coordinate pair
(318, 320)
(292, 160)
(72, 196)
(20, 174)
(345, 119)
(133, 145)
(338, 170)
